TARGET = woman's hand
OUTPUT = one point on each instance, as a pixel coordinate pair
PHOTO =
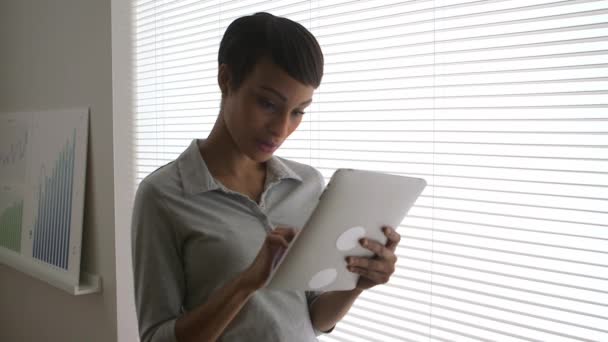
(257, 274)
(379, 268)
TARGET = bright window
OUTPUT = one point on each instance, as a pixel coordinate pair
(502, 106)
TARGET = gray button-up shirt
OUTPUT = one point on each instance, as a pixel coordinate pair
(191, 235)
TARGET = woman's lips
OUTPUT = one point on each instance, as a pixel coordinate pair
(267, 147)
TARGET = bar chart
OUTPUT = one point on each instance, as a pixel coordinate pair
(51, 231)
(43, 158)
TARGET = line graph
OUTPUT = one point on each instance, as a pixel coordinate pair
(14, 153)
(13, 150)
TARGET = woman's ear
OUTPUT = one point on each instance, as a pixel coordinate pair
(223, 79)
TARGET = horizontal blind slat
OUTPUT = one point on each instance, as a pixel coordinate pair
(467, 292)
(499, 263)
(141, 31)
(456, 310)
(166, 37)
(509, 287)
(412, 257)
(502, 333)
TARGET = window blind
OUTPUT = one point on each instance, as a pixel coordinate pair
(501, 106)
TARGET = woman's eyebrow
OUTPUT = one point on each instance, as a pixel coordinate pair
(281, 96)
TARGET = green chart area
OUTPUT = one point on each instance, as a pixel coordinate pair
(10, 226)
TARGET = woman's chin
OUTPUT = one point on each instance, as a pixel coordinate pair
(259, 156)
(262, 157)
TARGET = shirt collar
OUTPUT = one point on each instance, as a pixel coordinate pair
(196, 177)
(277, 170)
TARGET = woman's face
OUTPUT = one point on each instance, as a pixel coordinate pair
(265, 110)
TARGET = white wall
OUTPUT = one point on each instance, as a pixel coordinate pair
(57, 54)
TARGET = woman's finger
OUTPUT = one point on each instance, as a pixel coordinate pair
(286, 232)
(276, 240)
(375, 277)
(373, 265)
(393, 237)
(380, 250)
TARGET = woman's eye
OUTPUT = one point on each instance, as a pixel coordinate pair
(266, 104)
(298, 113)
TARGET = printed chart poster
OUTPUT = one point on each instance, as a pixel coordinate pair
(42, 171)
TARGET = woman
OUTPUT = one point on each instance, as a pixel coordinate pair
(204, 231)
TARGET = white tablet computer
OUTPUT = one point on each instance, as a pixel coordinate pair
(355, 204)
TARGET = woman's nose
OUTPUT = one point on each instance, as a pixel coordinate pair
(279, 126)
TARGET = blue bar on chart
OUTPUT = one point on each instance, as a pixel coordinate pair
(53, 219)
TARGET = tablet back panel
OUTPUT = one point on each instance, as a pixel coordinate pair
(354, 204)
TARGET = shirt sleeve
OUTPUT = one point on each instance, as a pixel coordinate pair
(158, 274)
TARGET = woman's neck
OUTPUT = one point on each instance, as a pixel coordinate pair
(224, 159)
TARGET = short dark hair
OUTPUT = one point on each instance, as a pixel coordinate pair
(288, 44)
